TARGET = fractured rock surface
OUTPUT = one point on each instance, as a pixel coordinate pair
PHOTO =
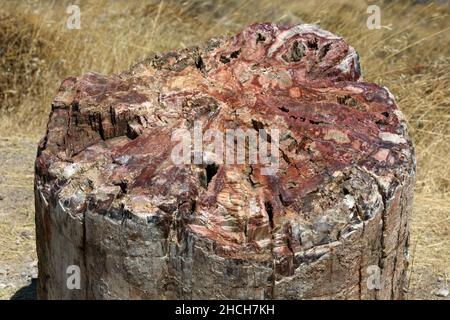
(110, 200)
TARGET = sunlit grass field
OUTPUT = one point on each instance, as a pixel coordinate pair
(410, 55)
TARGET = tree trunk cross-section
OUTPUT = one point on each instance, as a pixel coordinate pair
(110, 200)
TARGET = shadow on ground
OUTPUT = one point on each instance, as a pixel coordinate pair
(26, 293)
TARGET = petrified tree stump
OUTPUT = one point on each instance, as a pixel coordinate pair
(111, 201)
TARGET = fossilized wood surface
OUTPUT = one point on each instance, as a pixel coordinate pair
(110, 200)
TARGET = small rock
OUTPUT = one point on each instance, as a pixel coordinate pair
(26, 235)
(2, 286)
(1, 197)
(443, 292)
(440, 279)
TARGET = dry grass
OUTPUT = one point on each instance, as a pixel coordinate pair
(410, 54)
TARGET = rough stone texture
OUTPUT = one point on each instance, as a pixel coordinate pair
(110, 200)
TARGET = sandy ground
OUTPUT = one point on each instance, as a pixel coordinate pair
(18, 261)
